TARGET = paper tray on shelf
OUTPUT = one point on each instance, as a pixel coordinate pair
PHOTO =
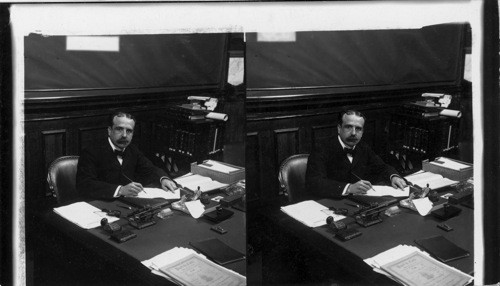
(226, 178)
(456, 175)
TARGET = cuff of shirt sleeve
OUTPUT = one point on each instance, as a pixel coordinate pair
(164, 177)
(116, 192)
(344, 193)
(394, 175)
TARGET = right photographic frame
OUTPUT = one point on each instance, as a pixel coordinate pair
(406, 97)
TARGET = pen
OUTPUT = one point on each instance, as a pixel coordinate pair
(352, 205)
(362, 180)
(125, 207)
(132, 181)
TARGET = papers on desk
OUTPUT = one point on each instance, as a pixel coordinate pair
(83, 214)
(380, 191)
(409, 265)
(195, 208)
(184, 266)
(310, 213)
(216, 166)
(152, 193)
(450, 164)
(435, 181)
(193, 181)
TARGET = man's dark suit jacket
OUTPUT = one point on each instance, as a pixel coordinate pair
(99, 173)
(329, 169)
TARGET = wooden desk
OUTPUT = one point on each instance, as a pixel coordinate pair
(400, 229)
(178, 231)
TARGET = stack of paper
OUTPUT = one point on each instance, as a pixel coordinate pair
(152, 193)
(84, 215)
(435, 181)
(410, 266)
(195, 181)
(450, 164)
(184, 266)
(216, 166)
(380, 191)
(310, 213)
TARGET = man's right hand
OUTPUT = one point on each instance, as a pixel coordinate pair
(359, 188)
(130, 190)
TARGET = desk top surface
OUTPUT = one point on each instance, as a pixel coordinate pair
(175, 231)
(403, 228)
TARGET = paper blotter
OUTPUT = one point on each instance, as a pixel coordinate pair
(218, 251)
(441, 248)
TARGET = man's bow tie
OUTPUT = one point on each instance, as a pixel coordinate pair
(119, 153)
(349, 151)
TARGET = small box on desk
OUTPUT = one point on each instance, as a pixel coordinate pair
(209, 169)
(452, 174)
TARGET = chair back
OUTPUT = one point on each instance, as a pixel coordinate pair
(62, 179)
(292, 177)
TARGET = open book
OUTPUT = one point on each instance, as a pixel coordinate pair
(195, 181)
(435, 181)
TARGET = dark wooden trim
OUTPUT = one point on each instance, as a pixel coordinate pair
(305, 102)
(491, 137)
(61, 102)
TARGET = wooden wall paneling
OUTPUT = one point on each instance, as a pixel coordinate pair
(320, 132)
(252, 167)
(34, 171)
(287, 144)
(370, 132)
(268, 166)
(53, 145)
(88, 136)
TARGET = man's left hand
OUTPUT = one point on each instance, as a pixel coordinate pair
(168, 185)
(398, 183)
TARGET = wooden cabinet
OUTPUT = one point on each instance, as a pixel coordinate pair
(181, 141)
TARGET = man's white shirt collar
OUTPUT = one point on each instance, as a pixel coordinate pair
(113, 145)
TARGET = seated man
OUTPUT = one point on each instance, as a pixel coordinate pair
(346, 166)
(115, 168)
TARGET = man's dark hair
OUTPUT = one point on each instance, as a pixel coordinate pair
(349, 112)
(119, 114)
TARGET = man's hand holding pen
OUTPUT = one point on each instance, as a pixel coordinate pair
(359, 188)
(130, 190)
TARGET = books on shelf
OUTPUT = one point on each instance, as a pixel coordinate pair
(186, 111)
(410, 266)
(310, 213)
(84, 215)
